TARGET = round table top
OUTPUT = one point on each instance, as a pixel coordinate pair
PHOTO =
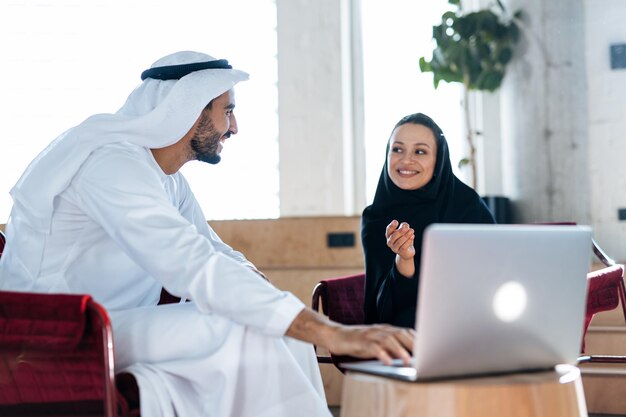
(557, 393)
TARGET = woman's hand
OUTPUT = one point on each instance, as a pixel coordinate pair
(400, 238)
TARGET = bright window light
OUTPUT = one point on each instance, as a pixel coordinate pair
(396, 33)
(64, 60)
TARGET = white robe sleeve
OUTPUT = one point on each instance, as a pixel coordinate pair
(123, 193)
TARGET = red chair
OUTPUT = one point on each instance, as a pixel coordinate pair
(605, 291)
(56, 357)
(341, 299)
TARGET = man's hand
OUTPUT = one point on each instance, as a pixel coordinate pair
(376, 341)
(383, 342)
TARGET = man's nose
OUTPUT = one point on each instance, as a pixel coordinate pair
(233, 125)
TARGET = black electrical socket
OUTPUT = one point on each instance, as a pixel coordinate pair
(340, 240)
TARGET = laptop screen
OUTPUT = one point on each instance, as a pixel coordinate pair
(497, 298)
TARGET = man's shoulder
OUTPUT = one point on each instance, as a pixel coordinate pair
(119, 153)
(120, 150)
(115, 159)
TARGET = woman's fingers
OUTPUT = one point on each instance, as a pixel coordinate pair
(391, 227)
(407, 249)
(402, 238)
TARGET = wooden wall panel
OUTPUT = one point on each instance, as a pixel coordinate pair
(293, 252)
(293, 242)
(301, 282)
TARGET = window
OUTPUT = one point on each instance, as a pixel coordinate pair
(64, 60)
(396, 33)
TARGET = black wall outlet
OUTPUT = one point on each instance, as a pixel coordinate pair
(618, 56)
(341, 240)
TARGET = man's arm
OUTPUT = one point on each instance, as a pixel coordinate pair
(375, 341)
(121, 192)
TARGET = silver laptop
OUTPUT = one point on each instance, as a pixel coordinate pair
(496, 299)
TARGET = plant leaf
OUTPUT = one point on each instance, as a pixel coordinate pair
(448, 15)
(425, 65)
(505, 55)
(473, 49)
(514, 31)
(490, 81)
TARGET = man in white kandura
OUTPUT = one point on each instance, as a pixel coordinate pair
(104, 210)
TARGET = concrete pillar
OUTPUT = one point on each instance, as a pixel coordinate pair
(544, 116)
(321, 150)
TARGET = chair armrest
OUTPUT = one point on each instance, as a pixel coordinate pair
(101, 317)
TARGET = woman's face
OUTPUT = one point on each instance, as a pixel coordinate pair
(412, 156)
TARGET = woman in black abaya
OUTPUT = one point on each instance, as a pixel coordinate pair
(416, 188)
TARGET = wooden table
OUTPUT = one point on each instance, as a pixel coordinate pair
(537, 394)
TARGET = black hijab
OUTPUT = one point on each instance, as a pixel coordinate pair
(390, 297)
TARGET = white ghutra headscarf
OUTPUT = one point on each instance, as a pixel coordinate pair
(158, 113)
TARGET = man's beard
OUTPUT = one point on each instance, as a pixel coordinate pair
(205, 142)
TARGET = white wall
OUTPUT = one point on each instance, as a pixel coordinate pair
(604, 20)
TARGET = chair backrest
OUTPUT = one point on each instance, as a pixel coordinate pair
(605, 291)
(56, 356)
(341, 298)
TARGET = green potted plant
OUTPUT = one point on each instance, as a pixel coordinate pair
(473, 49)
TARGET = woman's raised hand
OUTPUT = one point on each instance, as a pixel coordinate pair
(400, 239)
